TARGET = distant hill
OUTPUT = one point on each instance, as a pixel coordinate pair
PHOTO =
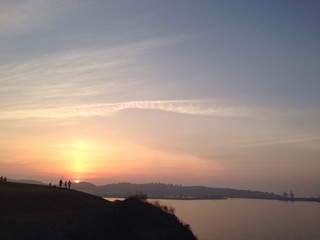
(85, 187)
(159, 190)
(29, 181)
(30, 211)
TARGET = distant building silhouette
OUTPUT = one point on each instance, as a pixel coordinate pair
(285, 195)
(291, 195)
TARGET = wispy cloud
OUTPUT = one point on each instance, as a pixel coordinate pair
(190, 107)
(58, 86)
(17, 17)
(75, 75)
(280, 141)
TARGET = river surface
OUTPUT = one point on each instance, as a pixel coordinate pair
(246, 219)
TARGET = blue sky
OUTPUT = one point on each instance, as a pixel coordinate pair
(219, 93)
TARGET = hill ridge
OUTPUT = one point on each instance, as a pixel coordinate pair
(31, 211)
(161, 190)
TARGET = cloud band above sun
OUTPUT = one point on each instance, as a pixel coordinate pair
(190, 107)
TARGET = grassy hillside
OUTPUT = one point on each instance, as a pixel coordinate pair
(40, 212)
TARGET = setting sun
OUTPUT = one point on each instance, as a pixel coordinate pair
(77, 181)
(79, 156)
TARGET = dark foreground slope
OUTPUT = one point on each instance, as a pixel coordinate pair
(40, 212)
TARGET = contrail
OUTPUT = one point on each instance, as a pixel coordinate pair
(190, 107)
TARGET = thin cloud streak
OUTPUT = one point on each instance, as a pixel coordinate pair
(289, 140)
(190, 107)
(18, 17)
(55, 79)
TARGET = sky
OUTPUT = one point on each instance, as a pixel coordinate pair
(214, 93)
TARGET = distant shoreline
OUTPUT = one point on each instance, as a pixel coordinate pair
(224, 198)
(187, 199)
(301, 200)
(175, 192)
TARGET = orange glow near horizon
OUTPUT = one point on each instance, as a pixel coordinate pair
(96, 159)
(79, 157)
(88, 159)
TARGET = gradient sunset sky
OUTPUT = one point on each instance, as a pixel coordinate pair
(202, 92)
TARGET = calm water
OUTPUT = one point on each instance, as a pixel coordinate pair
(245, 219)
(250, 219)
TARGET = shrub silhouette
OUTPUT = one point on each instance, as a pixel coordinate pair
(165, 208)
(140, 197)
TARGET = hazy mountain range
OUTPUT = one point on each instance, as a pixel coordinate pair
(28, 181)
(160, 190)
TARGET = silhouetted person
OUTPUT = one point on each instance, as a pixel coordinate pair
(65, 184)
(5, 179)
(1, 179)
(69, 184)
(60, 183)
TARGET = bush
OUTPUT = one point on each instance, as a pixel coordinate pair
(140, 197)
(165, 208)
